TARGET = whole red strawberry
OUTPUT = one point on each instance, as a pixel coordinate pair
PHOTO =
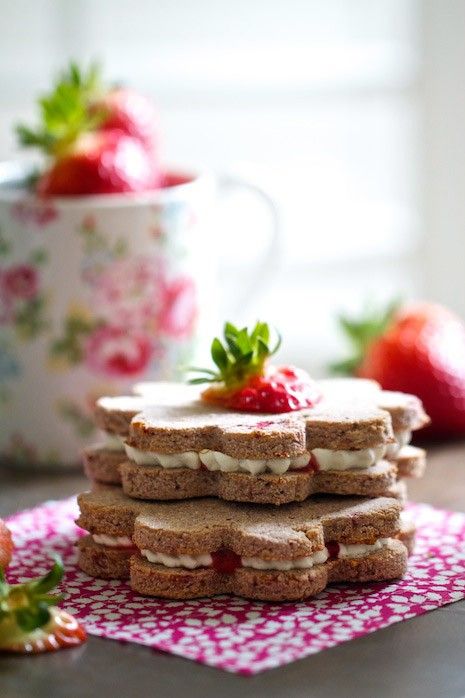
(98, 141)
(101, 162)
(418, 349)
(132, 114)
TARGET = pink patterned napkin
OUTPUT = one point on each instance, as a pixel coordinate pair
(234, 634)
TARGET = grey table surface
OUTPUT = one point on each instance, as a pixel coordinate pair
(423, 657)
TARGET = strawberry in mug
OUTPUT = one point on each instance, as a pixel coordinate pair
(97, 140)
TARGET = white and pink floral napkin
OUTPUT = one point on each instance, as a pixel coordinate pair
(231, 633)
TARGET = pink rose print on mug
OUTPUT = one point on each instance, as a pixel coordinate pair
(178, 311)
(135, 308)
(129, 290)
(118, 353)
(20, 281)
(22, 304)
(34, 211)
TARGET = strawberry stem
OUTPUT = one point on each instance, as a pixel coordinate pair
(361, 333)
(239, 356)
(28, 603)
(66, 112)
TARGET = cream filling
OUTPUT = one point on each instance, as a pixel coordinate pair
(362, 549)
(402, 438)
(113, 442)
(319, 557)
(214, 460)
(113, 541)
(300, 563)
(348, 460)
(188, 561)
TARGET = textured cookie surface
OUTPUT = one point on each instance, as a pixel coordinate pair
(113, 414)
(411, 462)
(102, 464)
(197, 427)
(406, 410)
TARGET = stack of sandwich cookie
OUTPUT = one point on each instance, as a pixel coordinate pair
(270, 443)
(204, 547)
(191, 450)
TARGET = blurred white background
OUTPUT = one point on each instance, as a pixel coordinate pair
(351, 113)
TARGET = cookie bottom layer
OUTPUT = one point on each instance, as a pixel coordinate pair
(149, 482)
(265, 585)
(103, 561)
(102, 464)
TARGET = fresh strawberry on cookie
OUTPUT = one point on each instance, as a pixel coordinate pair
(246, 381)
(96, 140)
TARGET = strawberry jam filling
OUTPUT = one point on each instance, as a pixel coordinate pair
(311, 467)
(225, 561)
(333, 549)
(279, 389)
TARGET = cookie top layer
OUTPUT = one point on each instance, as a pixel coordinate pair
(114, 414)
(406, 410)
(206, 525)
(196, 427)
(169, 418)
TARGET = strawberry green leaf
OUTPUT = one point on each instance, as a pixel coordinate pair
(242, 355)
(50, 580)
(230, 329)
(66, 112)
(360, 333)
(30, 619)
(219, 355)
(28, 603)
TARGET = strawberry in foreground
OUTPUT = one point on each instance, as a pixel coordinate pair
(245, 380)
(6, 545)
(97, 141)
(30, 621)
(418, 349)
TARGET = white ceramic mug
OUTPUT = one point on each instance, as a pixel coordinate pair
(96, 293)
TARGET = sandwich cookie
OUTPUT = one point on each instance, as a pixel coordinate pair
(189, 549)
(195, 451)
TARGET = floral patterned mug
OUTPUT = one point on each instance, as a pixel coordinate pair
(96, 293)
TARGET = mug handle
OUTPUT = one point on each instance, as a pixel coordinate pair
(270, 262)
